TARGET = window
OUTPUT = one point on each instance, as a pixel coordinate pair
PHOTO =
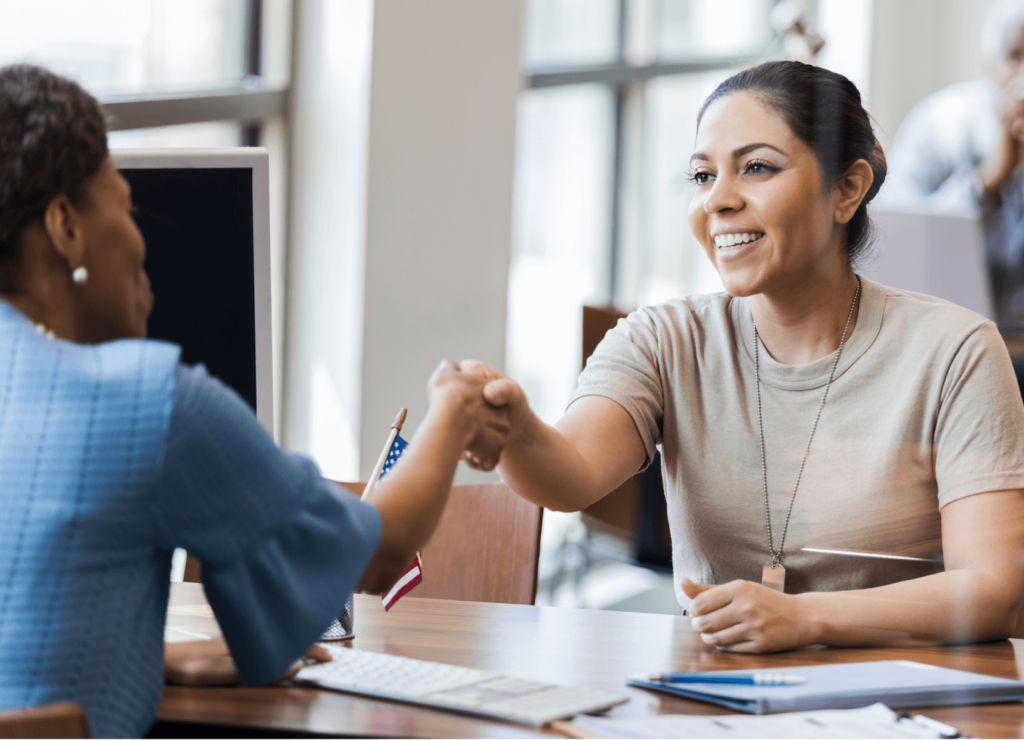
(117, 47)
(560, 235)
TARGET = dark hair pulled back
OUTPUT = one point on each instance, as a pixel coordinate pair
(824, 110)
(53, 138)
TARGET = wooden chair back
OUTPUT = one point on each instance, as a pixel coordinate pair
(51, 720)
(616, 513)
(485, 548)
(635, 511)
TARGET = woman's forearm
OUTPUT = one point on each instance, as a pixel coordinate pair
(412, 497)
(544, 467)
(957, 606)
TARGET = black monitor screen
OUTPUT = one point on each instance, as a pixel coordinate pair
(199, 241)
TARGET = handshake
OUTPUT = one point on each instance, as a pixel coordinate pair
(482, 408)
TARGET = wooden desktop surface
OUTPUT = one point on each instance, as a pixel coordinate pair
(569, 646)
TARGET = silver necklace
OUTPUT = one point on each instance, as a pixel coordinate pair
(773, 574)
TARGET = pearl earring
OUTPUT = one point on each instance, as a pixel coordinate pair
(80, 275)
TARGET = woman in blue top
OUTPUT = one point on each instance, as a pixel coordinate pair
(113, 453)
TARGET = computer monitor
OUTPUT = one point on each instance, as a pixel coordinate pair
(205, 216)
(935, 254)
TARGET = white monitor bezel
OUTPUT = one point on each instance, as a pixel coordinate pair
(254, 158)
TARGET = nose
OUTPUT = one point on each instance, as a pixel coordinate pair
(724, 196)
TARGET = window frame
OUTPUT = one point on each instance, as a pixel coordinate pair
(249, 103)
(628, 82)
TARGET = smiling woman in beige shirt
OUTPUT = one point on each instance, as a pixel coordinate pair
(854, 417)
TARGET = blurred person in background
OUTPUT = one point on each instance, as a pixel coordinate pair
(113, 453)
(960, 152)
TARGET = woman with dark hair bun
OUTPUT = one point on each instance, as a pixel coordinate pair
(843, 462)
(113, 453)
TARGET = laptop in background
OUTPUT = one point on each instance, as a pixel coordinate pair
(938, 255)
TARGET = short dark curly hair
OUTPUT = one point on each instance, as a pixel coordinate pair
(53, 139)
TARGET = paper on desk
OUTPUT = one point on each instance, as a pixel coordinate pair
(876, 721)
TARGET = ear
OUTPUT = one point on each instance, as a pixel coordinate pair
(62, 222)
(853, 186)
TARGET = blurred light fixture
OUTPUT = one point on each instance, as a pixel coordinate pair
(791, 19)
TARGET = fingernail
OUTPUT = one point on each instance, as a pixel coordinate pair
(709, 639)
(697, 624)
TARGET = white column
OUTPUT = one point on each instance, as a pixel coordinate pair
(439, 207)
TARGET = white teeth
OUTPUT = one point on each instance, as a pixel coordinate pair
(730, 240)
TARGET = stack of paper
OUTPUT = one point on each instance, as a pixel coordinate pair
(877, 721)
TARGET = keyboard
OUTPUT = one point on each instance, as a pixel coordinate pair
(452, 688)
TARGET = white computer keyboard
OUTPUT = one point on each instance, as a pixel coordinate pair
(452, 688)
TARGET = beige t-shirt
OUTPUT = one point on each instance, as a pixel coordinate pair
(924, 409)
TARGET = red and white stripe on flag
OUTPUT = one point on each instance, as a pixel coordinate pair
(410, 580)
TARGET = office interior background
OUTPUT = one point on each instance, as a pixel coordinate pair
(457, 178)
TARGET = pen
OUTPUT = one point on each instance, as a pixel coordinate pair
(760, 679)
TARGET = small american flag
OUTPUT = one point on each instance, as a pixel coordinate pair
(414, 576)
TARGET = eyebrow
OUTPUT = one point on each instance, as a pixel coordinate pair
(741, 151)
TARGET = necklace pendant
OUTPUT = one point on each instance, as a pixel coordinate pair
(774, 576)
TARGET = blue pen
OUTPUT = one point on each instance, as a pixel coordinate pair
(759, 679)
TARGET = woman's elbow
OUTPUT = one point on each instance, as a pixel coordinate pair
(383, 572)
(987, 620)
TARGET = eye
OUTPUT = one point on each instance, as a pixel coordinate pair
(700, 177)
(760, 167)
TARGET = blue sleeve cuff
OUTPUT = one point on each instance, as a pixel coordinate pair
(275, 601)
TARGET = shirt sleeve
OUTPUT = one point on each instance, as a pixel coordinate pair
(931, 167)
(979, 432)
(282, 549)
(625, 368)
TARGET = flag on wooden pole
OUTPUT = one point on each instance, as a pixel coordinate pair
(389, 457)
(343, 628)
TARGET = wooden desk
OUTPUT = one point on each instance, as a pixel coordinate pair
(569, 646)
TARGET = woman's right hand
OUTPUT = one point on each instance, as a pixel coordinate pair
(500, 392)
(485, 426)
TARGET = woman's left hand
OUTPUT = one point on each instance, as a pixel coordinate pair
(746, 617)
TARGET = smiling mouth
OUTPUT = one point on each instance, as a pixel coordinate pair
(733, 241)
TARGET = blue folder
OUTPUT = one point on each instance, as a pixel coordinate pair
(897, 683)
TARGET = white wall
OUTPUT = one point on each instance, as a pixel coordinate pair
(918, 47)
(404, 131)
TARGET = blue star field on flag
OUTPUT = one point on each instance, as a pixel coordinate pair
(414, 575)
(397, 448)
